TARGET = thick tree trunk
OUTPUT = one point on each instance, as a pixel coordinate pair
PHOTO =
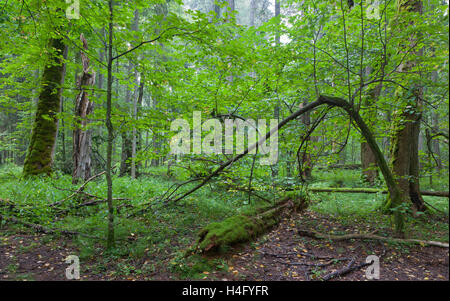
(39, 158)
(82, 136)
(405, 153)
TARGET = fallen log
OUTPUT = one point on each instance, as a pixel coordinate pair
(317, 235)
(245, 226)
(42, 229)
(373, 190)
(340, 166)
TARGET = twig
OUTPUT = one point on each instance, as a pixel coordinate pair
(79, 190)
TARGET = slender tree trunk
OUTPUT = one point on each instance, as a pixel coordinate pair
(277, 13)
(435, 143)
(252, 12)
(305, 156)
(276, 110)
(126, 157)
(369, 170)
(109, 126)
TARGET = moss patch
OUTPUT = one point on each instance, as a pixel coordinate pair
(247, 226)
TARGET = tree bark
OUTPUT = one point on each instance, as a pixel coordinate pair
(82, 136)
(405, 154)
(110, 238)
(252, 12)
(39, 158)
(370, 172)
(305, 156)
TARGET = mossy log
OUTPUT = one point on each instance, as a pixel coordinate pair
(246, 226)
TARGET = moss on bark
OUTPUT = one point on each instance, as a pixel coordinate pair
(246, 226)
(39, 156)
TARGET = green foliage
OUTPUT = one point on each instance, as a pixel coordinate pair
(223, 65)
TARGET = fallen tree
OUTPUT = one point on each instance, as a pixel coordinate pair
(340, 166)
(245, 226)
(373, 190)
(41, 229)
(395, 198)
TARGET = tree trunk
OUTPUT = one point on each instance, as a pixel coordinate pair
(110, 238)
(405, 154)
(370, 171)
(82, 136)
(135, 102)
(252, 12)
(435, 143)
(125, 161)
(39, 158)
(305, 156)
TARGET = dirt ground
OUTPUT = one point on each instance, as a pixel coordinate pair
(282, 254)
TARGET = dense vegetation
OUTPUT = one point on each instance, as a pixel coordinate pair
(90, 93)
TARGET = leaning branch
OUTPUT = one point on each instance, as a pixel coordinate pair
(253, 146)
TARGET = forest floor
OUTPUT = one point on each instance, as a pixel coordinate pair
(281, 254)
(151, 245)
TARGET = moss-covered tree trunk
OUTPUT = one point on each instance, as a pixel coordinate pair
(39, 158)
(246, 226)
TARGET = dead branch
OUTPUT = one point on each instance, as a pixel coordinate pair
(42, 229)
(79, 190)
(369, 190)
(323, 264)
(349, 268)
(317, 235)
